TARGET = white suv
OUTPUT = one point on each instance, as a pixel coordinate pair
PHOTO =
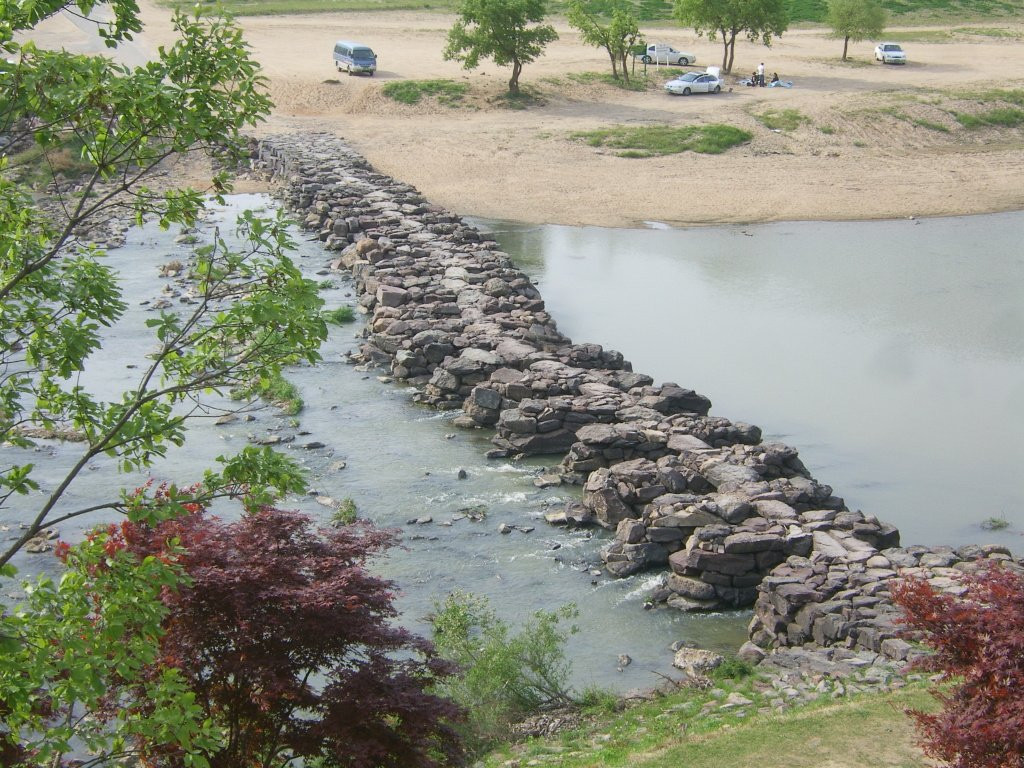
(890, 53)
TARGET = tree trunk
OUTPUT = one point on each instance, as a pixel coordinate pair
(846, 42)
(732, 54)
(513, 84)
(615, 63)
(625, 70)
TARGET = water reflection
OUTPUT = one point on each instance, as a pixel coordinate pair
(891, 353)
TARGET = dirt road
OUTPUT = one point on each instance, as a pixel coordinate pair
(874, 141)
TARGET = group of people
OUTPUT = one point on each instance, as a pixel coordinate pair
(757, 78)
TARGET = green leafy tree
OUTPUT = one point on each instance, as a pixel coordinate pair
(616, 34)
(68, 665)
(856, 20)
(508, 31)
(253, 313)
(757, 19)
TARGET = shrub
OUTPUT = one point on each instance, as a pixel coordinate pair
(288, 645)
(978, 641)
(340, 316)
(346, 513)
(503, 677)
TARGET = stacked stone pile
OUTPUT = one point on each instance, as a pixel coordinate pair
(448, 311)
(844, 600)
(729, 517)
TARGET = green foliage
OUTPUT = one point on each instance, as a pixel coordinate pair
(79, 645)
(503, 676)
(995, 523)
(732, 669)
(340, 315)
(275, 389)
(782, 119)
(446, 92)
(73, 651)
(615, 29)
(509, 32)
(656, 140)
(931, 125)
(855, 20)
(346, 513)
(756, 19)
(1001, 117)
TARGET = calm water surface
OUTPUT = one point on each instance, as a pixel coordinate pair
(891, 354)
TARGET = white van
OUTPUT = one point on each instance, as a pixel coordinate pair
(354, 57)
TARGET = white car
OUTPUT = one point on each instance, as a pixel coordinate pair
(694, 82)
(890, 53)
(662, 53)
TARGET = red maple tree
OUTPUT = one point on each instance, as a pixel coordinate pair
(287, 641)
(978, 643)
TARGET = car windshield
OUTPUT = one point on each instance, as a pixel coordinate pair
(362, 53)
(893, 48)
(688, 77)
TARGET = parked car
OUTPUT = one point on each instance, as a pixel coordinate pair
(663, 53)
(354, 57)
(890, 53)
(694, 82)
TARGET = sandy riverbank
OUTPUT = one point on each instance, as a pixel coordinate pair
(864, 150)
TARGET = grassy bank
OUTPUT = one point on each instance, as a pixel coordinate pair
(864, 731)
(900, 11)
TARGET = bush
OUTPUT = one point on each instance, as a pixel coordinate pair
(503, 677)
(978, 641)
(288, 645)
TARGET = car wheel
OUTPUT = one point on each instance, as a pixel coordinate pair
(645, 59)
(686, 91)
(683, 61)
(718, 89)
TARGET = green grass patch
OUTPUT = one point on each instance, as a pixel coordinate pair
(447, 92)
(658, 140)
(918, 35)
(828, 130)
(996, 32)
(340, 316)
(1003, 117)
(637, 82)
(782, 119)
(691, 729)
(275, 389)
(931, 125)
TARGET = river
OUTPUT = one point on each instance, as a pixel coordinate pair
(890, 353)
(898, 373)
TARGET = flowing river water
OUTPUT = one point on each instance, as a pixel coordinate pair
(888, 353)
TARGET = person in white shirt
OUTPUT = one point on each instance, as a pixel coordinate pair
(760, 74)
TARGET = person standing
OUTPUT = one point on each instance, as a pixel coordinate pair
(760, 74)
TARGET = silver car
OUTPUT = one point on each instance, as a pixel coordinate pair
(694, 82)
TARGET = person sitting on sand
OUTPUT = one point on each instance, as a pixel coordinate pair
(775, 77)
